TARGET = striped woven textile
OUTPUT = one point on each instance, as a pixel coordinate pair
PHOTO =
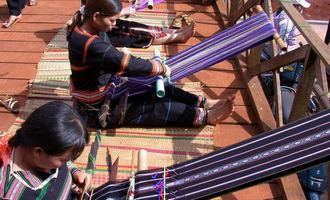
(290, 148)
(177, 144)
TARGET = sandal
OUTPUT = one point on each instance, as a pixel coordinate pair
(32, 2)
(177, 22)
(10, 103)
(187, 19)
(11, 21)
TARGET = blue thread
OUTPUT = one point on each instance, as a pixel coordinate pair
(158, 187)
(143, 108)
(154, 176)
(168, 110)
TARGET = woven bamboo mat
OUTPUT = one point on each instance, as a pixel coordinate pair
(165, 146)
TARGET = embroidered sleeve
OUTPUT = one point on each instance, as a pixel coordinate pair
(114, 61)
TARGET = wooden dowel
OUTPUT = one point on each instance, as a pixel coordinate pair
(323, 97)
(259, 9)
(280, 42)
(132, 162)
(142, 160)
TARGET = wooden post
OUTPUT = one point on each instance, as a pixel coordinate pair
(305, 88)
(234, 6)
(276, 75)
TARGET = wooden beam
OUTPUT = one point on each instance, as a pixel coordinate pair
(236, 14)
(234, 6)
(305, 88)
(290, 184)
(298, 111)
(276, 75)
(279, 61)
(316, 43)
(258, 99)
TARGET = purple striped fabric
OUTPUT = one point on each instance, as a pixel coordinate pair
(215, 49)
(291, 148)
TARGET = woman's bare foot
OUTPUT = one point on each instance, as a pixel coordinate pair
(186, 32)
(176, 35)
(127, 11)
(11, 21)
(221, 110)
(210, 103)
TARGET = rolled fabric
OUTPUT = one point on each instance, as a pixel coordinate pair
(142, 160)
(150, 4)
(160, 88)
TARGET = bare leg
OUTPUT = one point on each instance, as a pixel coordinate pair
(221, 110)
(177, 35)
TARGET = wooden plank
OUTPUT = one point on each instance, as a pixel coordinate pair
(241, 99)
(27, 37)
(257, 97)
(17, 71)
(34, 27)
(242, 115)
(14, 87)
(56, 4)
(279, 61)
(7, 119)
(216, 78)
(20, 57)
(261, 192)
(24, 46)
(228, 134)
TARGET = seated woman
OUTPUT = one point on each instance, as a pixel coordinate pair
(95, 61)
(36, 162)
(138, 35)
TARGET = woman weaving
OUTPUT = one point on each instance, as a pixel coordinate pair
(94, 61)
(35, 163)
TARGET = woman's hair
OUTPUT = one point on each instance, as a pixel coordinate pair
(89, 7)
(55, 127)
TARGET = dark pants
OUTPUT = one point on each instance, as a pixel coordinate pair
(15, 7)
(178, 108)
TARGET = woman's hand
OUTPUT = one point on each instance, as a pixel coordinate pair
(82, 180)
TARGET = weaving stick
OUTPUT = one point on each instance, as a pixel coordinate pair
(91, 164)
(131, 189)
(113, 167)
(164, 182)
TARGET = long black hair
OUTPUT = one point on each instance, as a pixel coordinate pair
(55, 127)
(89, 7)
